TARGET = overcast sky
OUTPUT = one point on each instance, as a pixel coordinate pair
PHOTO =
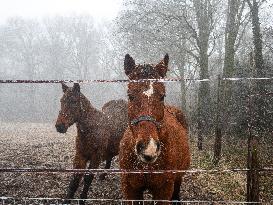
(100, 9)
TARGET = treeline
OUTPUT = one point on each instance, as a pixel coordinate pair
(55, 48)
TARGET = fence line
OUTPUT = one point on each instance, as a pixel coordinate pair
(122, 171)
(126, 80)
(58, 200)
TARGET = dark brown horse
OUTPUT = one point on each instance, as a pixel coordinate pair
(98, 133)
(156, 138)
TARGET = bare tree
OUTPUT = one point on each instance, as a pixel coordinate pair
(260, 70)
(204, 12)
(233, 23)
(199, 19)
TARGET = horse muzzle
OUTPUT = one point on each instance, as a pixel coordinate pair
(148, 152)
(61, 128)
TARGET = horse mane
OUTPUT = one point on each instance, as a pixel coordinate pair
(91, 114)
(179, 115)
(86, 104)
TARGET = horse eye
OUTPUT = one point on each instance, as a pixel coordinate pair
(131, 97)
(162, 97)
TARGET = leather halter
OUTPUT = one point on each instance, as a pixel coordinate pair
(146, 118)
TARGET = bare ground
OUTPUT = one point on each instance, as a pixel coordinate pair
(35, 145)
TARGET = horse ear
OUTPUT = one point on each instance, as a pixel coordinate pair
(162, 67)
(76, 87)
(166, 59)
(129, 64)
(64, 87)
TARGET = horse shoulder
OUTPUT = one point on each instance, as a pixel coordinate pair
(180, 142)
(178, 113)
(175, 127)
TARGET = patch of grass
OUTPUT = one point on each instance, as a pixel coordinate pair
(231, 185)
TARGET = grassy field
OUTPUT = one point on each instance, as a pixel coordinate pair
(35, 145)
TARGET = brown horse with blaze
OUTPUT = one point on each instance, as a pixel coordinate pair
(156, 138)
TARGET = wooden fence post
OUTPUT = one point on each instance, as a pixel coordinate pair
(218, 131)
(253, 185)
(253, 190)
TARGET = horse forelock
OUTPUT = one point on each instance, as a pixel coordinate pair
(145, 71)
(147, 100)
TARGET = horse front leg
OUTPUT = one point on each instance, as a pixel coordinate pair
(176, 192)
(163, 193)
(132, 195)
(88, 178)
(79, 163)
(107, 166)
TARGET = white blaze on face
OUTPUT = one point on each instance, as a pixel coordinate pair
(151, 149)
(150, 91)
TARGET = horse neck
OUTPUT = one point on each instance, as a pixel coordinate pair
(90, 116)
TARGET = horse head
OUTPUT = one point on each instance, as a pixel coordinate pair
(70, 107)
(146, 106)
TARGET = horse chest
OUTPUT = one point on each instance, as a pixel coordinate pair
(148, 181)
(91, 144)
(157, 180)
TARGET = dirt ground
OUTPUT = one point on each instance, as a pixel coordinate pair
(34, 145)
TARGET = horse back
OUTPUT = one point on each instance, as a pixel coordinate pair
(116, 112)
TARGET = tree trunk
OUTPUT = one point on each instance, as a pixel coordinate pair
(257, 117)
(183, 84)
(218, 129)
(253, 190)
(204, 101)
(235, 8)
(260, 101)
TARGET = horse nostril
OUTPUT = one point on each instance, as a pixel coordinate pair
(157, 146)
(60, 128)
(147, 158)
(139, 147)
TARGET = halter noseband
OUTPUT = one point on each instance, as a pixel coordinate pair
(146, 118)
